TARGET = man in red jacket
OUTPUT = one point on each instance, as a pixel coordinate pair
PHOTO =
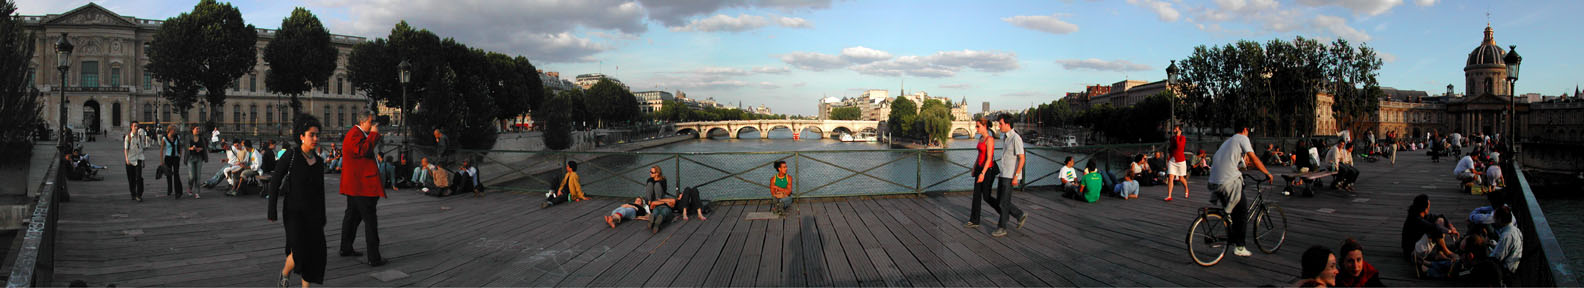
(360, 183)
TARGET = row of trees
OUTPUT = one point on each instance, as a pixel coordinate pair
(605, 103)
(1270, 86)
(931, 122)
(19, 108)
(846, 113)
(676, 111)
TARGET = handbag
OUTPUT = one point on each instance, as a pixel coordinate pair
(289, 160)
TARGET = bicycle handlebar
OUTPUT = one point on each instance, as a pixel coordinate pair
(1257, 178)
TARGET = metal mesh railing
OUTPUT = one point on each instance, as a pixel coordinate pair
(746, 175)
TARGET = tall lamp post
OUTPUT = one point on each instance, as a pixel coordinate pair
(1512, 59)
(406, 75)
(1171, 82)
(63, 51)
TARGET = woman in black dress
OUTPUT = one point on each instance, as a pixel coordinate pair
(302, 170)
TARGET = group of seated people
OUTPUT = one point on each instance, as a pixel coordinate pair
(1347, 268)
(430, 178)
(1477, 170)
(1488, 255)
(1199, 164)
(332, 158)
(1093, 182)
(658, 207)
(243, 164)
(81, 169)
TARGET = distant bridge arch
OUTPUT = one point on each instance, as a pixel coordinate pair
(827, 128)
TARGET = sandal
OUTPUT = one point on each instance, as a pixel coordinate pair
(285, 280)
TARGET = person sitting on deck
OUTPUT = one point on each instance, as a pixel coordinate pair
(637, 210)
(420, 174)
(1341, 161)
(1465, 171)
(468, 180)
(781, 188)
(1424, 239)
(1356, 272)
(569, 190)
(1274, 155)
(1475, 267)
(403, 171)
(1157, 167)
(1201, 164)
(1068, 176)
(1319, 268)
(1508, 242)
(440, 184)
(1493, 175)
(1089, 186)
(1128, 189)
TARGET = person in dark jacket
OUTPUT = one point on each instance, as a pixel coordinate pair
(300, 180)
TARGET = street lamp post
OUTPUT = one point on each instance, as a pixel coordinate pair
(406, 75)
(1512, 60)
(1171, 81)
(63, 51)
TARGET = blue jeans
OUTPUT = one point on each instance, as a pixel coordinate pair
(626, 212)
(783, 203)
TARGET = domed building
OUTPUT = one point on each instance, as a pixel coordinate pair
(1484, 109)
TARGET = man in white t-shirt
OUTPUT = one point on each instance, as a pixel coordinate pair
(1068, 176)
(1465, 170)
(1493, 175)
(1226, 182)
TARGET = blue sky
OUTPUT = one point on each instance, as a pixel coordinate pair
(787, 54)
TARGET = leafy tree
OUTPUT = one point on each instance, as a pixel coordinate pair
(846, 113)
(300, 57)
(19, 107)
(557, 116)
(934, 122)
(1272, 86)
(609, 102)
(903, 113)
(211, 46)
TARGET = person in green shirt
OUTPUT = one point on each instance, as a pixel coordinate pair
(1090, 185)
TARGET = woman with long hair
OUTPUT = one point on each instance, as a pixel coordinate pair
(983, 170)
(299, 178)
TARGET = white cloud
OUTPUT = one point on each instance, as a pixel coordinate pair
(540, 30)
(675, 13)
(1162, 9)
(1048, 24)
(813, 61)
(860, 54)
(957, 86)
(1102, 65)
(743, 22)
(1425, 3)
(768, 85)
(1359, 7)
(1387, 57)
(987, 61)
(771, 70)
(1339, 27)
(799, 84)
(721, 71)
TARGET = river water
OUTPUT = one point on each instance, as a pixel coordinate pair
(1561, 206)
(741, 168)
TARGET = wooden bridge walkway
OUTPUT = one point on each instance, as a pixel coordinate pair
(504, 239)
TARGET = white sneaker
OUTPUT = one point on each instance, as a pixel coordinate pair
(1240, 251)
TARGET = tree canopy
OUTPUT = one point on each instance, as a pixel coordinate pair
(300, 57)
(1272, 86)
(19, 107)
(209, 47)
(846, 113)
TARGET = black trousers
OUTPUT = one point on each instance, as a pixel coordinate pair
(360, 209)
(558, 199)
(135, 178)
(174, 186)
(1347, 174)
(981, 192)
(1004, 194)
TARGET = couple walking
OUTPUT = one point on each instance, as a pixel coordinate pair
(1007, 171)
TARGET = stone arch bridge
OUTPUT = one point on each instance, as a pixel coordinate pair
(826, 128)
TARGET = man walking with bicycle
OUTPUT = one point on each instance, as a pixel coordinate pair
(1226, 182)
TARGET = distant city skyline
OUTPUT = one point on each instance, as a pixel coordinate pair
(788, 54)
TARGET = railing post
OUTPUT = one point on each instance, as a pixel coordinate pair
(797, 171)
(918, 171)
(678, 168)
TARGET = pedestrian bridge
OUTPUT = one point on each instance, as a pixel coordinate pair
(826, 128)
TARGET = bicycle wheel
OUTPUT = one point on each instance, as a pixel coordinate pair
(1207, 239)
(1270, 227)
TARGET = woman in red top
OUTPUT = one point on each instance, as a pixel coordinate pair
(983, 170)
(1177, 166)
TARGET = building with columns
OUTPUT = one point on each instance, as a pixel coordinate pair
(108, 87)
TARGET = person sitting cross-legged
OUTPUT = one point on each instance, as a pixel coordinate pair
(569, 190)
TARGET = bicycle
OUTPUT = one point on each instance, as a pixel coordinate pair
(1208, 234)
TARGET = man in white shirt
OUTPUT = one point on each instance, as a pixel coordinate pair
(1493, 175)
(1508, 250)
(1465, 170)
(1068, 176)
(132, 145)
(249, 169)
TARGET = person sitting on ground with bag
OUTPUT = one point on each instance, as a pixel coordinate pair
(440, 184)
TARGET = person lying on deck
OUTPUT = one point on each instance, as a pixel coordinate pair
(636, 210)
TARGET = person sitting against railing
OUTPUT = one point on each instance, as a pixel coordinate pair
(1157, 167)
(1139, 168)
(1475, 266)
(403, 172)
(1274, 155)
(1201, 164)
(387, 170)
(1508, 241)
(1069, 178)
(637, 210)
(1127, 189)
(468, 180)
(420, 174)
(1356, 272)
(569, 189)
(1493, 175)
(441, 183)
(781, 189)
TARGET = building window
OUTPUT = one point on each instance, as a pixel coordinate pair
(1490, 86)
(148, 80)
(148, 112)
(341, 116)
(165, 115)
(236, 115)
(90, 74)
(115, 114)
(235, 86)
(326, 119)
(269, 113)
(32, 73)
(282, 110)
(115, 76)
(252, 113)
(252, 83)
(338, 85)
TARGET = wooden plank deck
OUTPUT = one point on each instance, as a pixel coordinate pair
(504, 239)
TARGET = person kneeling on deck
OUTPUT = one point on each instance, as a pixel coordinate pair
(569, 190)
(1466, 172)
(635, 210)
(781, 189)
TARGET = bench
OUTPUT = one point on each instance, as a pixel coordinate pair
(1295, 182)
